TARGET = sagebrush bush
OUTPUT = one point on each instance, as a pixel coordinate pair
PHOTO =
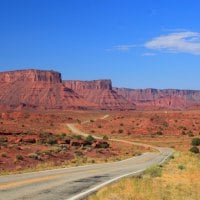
(19, 157)
(105, 137)
(154, 171)
(196, 141)
(34, 156)
(90, 139)
(194, 149)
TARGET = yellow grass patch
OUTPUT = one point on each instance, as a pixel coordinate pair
(180, 180)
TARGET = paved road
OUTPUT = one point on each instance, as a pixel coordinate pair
(77, 182)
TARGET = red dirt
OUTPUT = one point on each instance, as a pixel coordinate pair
(29, 139)
(152, 123)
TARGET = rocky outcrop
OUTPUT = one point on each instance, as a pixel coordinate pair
(39, 90)
(161, 99)
(30, 76)
(100, 92)
(89, 85)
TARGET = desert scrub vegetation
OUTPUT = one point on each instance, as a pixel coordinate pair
(176, 180)
(195, 143)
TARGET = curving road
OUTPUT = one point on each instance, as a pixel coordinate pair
(76, 182)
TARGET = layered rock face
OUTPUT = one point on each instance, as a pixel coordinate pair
(37, 89)
(30, 76)
(160, 99)
(89, 85)
(46, 90)
(100, 92)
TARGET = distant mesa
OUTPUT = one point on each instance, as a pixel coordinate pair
(43, 89)
(30, 76)
(38, 89)
(101, 93)
(161, 99)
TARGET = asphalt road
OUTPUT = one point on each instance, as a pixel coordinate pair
(77, 182)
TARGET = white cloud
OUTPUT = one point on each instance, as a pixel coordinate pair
(185, 42)
(148, 54)
(124, 47)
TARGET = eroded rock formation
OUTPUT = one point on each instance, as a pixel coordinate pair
(45, 90)
(101, 93)
(161, 99)
(37, 89)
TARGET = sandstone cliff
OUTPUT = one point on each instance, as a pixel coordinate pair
(160, 99)
(100, 92)
(30, 76)
(37, 89)
(41, 89)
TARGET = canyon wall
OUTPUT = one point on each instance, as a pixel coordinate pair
(89, 85)
(39, 90)
(160, 99)
(100, 92)
(30, 76)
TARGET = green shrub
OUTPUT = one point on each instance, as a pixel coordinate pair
(159, 133)
(196, 142)
(190, 134)
(183, 133)
(56, 149)
(154, 171)
(181, 167)
(51, 141)
(45, 135)
(194, 150)
(3, 139)
(120, 131)
(19, 157)
(90, 139)
(4, 155)
(105, 137)
(34, 156)
(78, 153)
(47, 152)
(104, 145)
(61, 136)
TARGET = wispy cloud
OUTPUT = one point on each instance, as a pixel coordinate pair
(148, 54)
(124, 47)
(184, 42)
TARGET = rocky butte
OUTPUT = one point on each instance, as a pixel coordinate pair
(101, 93)
(37, 89)
(43, 89)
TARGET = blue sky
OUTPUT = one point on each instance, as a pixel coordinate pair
(136, 43)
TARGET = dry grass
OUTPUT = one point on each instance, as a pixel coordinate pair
(179, 181)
